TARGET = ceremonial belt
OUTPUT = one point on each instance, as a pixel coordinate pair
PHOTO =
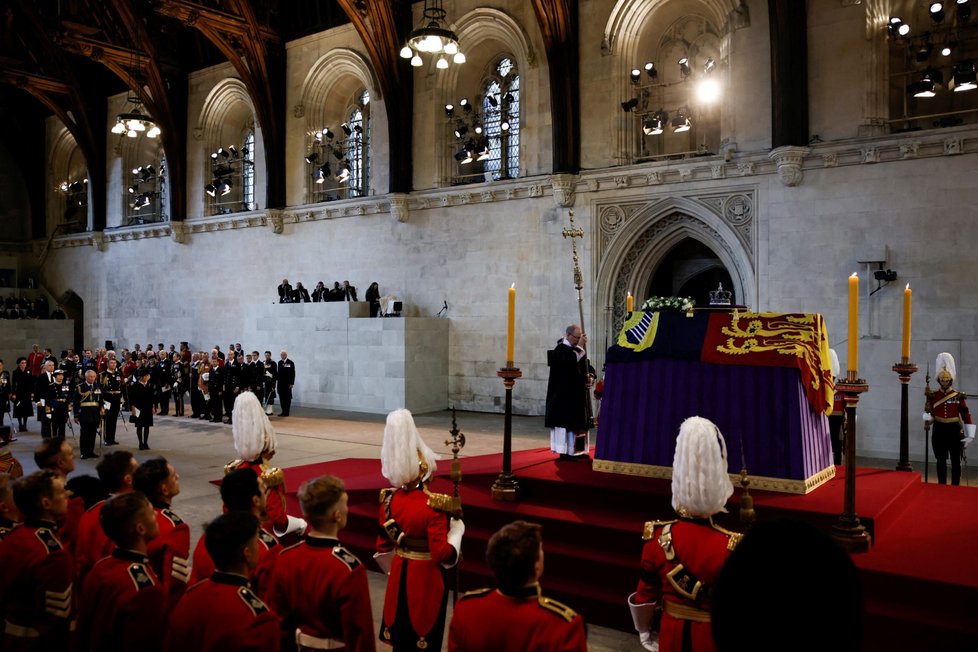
(687, 612)
(89, 404)
(112, 391)
(307, 641)
(412, 554)
(946, 419)
(19, 630)
(944, 399)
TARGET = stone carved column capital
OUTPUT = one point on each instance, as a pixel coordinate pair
(179, 232)
(399, 207)
(99, 241)
(564, 186)
(789, 160)
(277, 221)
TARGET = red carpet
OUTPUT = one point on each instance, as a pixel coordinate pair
(920, 580)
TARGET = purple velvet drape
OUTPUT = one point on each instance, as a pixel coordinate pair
(762, 409)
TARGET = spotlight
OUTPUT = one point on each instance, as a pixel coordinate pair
(651, 71)
(223, 152)
(467, 158)
(344, 174)
(708, 90)
(927, 86)
(636, 75)
(504, 125)
(224, 187)
(137, 170)
(210, 189)
(709, 66)
(233, 150)
(329, 134)
(465, 104)
(449, 110)
(681, 122)
(652, 126)
(897, 27)
(923, 53)
(312, 157)
(483, 153)
(946, 51)
(461, 130)
(477, 128)
(493, 102)
(936, 11)
(629, 105)
(964, 77)
(133, 188)
(508, 98)
(317, 175)
(141, 201)
(647, 126)
(357, 129)
(213, 158)
(460, 154)
(318, 136)
(684, 67)
(346, 129)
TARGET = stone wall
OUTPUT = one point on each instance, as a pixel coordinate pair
(17, 336)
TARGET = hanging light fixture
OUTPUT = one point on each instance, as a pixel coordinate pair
(133, 122)
(433, 37)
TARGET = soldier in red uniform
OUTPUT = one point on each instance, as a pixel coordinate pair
(10, 516)
(57, 455)
(319, 588)
(115, 471)
(683, 557)
(952, 421)
(223, 613)
(242, 491)
(123, 606)
(422, 536)
(169, 552)
(254, 442)
(515, 616)
(36, 577)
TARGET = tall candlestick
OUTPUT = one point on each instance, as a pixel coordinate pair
(852, 363)
(511, 326)
(907, 309)
(629, 303)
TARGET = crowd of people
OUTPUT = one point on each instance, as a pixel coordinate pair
(345, 292)
(93, 389)
(14, 307)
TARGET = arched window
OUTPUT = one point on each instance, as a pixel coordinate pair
(501, 115)
(356, 152)
(338, 162)
(248, 172)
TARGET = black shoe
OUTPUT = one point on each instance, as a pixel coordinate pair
(89, 456)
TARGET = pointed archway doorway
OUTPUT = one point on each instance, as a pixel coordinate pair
(675, 246)
(690, 269)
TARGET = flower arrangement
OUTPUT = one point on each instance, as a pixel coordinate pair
(660, 304)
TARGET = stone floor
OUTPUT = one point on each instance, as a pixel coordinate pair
(199, 450)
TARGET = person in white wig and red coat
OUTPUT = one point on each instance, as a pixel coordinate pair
(254, 442)
(420, 540)
(683, 556)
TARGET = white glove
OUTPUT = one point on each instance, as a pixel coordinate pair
(969, 434)
(456, 528)
(296, 524)
(642, 619)
(649, 640)
(384, 560)
(927, 417)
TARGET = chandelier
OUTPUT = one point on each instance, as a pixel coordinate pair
(433, 37)
(134, 122)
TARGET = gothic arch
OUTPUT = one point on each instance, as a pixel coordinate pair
(640, 243)
(323, 77)
(222, 103)
(627, 20)
(65, 158)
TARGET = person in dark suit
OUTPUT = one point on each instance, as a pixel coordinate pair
(141, 407)
(286, 379)
(285, 291)
(44, 395)
(567, 395)
(373, 298)
(300, 294)
(320, 293)
(336, 293)
(349, 292)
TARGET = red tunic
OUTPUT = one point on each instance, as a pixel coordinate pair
(169, 554)
(488, 621)
(268, 552)
(222, 614)
(418, 569)
(123, 606)
(701, 548)
(36, 589)
(947, 407)
(68, 526)
(320, 587)
(91, 544)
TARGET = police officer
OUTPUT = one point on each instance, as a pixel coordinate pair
(88, 410)
(111, 382)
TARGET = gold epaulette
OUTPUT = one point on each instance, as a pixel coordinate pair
(273, 477)
(385, 493)
(232, 466)
(558, 608)
(733, 538)
(475, 594)
(650, 526)
(440, 502)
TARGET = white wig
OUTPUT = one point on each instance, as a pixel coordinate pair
(700, 484)
(252, 431)
(834, 361)
(404, 450)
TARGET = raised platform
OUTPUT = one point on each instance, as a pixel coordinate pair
(920, 581)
